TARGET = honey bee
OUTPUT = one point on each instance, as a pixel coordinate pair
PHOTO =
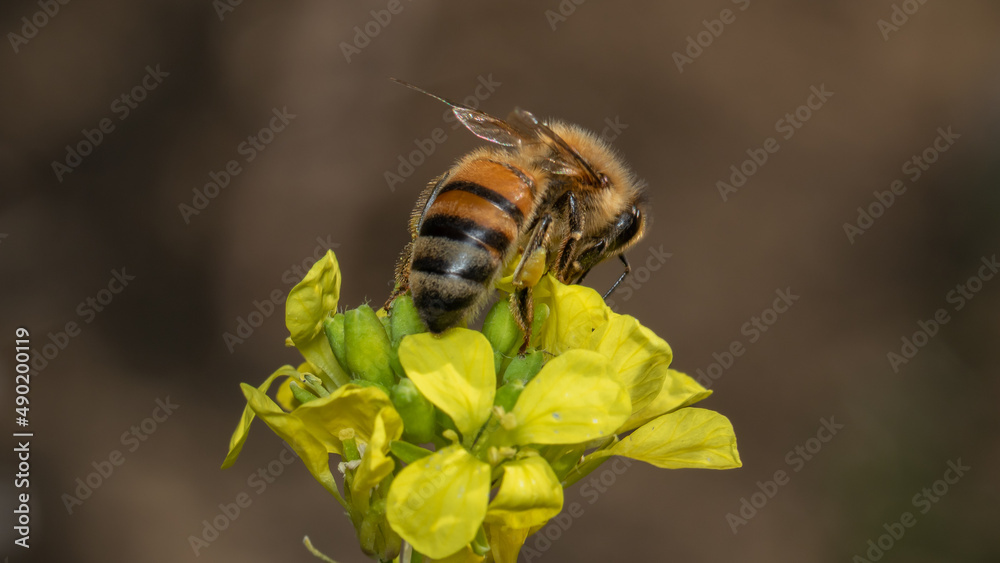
(551, 192)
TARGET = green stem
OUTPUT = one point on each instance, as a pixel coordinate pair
(315, 551)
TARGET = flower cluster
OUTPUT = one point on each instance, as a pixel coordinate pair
(453, 447)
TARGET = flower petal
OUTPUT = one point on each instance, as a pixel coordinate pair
(308, 303)
(678, 390)
(243, 427)
(438, 503)
(690, 437)
(505, 543)
(529, 495)
(349, 406)
(464, 555)
(575, 311)
(375, 464)
(639, 356)
(454, 371)
(293, 431)
(575, 398)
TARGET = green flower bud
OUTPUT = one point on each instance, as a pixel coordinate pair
(377, 538)
(415, 410)
(385, 325)
(403, 320)
(502, 331)
(334, 328)
(443, 421)
(507, 395)
(365, 383)
(368, 346)
(523, 368)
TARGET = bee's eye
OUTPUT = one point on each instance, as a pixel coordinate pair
(605, 181)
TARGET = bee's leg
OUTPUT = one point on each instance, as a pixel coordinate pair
(527, 273)
(533, 260)
(402, 276)
(628, 270)
(564, 260)
(523, 309)
(424, 202)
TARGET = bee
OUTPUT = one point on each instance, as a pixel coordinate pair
(550, 192)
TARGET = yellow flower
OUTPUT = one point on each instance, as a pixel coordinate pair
(666, 434)
(520, 429)
(308, 303)
(439, 503)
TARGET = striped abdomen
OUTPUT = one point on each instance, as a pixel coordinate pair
(471, 224)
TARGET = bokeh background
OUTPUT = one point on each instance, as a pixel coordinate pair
(224, 68)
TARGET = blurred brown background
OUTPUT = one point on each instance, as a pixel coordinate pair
(220, 71)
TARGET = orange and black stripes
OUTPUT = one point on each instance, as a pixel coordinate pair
(499, 200)
(468, 231)
(470, 227)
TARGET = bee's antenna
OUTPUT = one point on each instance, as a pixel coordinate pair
(422, 91)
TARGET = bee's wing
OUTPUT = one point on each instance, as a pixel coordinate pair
(566, 160)
(482, 124)
(493, 129)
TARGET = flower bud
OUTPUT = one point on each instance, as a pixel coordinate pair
(334, 328)
(377, 385)
(403, 321)
(507, 395)
(377, 538)
(502, 331)
(415, 410)
(367, 346)
(523, 368)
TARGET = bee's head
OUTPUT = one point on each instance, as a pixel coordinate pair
(617, 207)
(622, 232)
